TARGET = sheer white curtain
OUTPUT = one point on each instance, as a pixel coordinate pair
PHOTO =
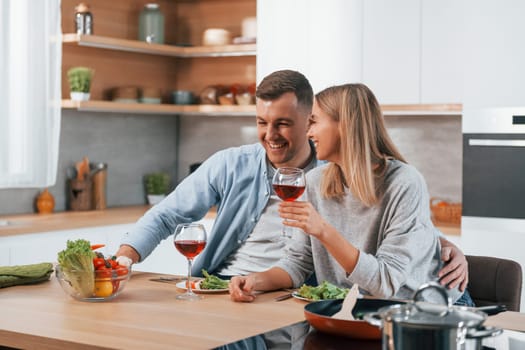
(30, 73)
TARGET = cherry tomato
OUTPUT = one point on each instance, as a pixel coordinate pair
(98, 262)
(103, 272)
(113, 263)
(103, 288)
(121, 270)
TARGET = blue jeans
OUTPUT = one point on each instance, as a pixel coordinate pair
(465, 300)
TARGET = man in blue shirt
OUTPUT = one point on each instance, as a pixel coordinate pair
(246, 235)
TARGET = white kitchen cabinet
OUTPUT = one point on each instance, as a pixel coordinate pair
(44, 247)
(494, 54)
(321, 39)
(442, 51)
(4, 254)
(406, 51)
(391, 50)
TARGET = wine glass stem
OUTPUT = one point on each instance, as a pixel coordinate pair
(286, 233)
(189, 277)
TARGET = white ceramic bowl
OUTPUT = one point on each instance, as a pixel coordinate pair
(216, 36)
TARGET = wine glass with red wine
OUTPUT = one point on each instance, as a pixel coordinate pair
(289, 184)
(190, 240)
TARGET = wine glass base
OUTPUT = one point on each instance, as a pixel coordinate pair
(189, 297)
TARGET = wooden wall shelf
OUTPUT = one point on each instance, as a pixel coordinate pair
(143, 108)
(103, 42)
(236, 110)
(423, 110)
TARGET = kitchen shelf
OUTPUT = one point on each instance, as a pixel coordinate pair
(247, 111)
(143, 108)
(423, 110)
(108, 43)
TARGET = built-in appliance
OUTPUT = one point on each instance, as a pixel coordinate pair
(493, 215)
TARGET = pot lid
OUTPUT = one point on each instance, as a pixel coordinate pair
(420, 313)
(432, 315)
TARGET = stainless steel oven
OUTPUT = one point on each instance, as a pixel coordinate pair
(493, 213)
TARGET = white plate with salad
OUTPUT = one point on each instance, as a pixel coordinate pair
(196, 288)
(324, 291)
(209, 284)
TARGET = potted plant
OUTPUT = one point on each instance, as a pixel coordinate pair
(80, 82)
(157, 186)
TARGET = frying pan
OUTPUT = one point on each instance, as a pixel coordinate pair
(319, 315)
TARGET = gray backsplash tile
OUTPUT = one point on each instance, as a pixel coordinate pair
(135, 144)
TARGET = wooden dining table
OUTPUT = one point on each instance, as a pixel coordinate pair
(146, 315)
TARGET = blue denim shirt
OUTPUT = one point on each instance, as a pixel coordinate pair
(235, 180)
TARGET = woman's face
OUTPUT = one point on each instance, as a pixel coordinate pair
(324, 132)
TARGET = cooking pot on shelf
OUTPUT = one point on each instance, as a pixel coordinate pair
(421, 325)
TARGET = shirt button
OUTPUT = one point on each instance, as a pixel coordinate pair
(239, 241)
(254, 219)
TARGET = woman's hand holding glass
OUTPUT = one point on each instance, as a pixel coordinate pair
(304, 216)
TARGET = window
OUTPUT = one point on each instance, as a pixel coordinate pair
(30, 78)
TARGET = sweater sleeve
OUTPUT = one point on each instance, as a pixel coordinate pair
(298, 262)
(405, 244)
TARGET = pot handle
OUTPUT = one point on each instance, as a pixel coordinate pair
(374, 318)
(484, 332)
(442, 292)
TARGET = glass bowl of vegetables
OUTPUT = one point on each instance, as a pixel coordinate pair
(88, 276)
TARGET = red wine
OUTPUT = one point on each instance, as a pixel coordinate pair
(190, 248)
(288, 193)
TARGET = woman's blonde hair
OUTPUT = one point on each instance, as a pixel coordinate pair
(365, 143)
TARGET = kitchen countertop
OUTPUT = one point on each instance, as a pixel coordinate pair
(67, 220)
(34, 223)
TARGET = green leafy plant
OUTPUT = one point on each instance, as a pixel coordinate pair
(80, 78)
(157, 183)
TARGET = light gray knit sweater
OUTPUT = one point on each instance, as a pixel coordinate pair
(399, 246)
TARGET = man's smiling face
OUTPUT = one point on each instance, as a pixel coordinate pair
(281, 128)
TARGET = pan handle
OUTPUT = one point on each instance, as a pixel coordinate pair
(492, 309)
(374, 318)
(483, 332)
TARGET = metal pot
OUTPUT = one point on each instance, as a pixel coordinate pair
(420, 325)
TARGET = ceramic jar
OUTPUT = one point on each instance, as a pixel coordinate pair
(45, 202)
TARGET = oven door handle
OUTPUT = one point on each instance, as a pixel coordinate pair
(496, 143)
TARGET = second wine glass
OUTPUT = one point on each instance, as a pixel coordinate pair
(190, 240)
(289, 184)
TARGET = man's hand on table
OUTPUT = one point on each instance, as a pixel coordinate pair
(242, 288)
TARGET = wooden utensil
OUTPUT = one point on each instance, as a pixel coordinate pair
(348, 304)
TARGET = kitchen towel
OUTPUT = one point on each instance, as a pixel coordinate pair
(24, 274)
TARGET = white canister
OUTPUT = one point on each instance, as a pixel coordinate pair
(249, 27)
(216, 36)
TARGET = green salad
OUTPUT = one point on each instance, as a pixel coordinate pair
(212, 282)
(323, 291)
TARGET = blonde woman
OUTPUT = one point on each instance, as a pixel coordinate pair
(367, 218)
